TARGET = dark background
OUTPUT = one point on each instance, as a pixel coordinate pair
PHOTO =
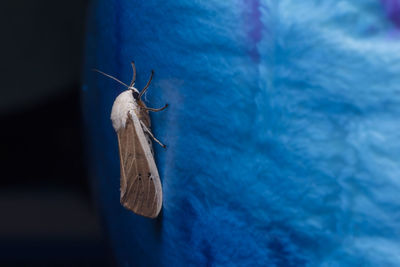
(48, 217)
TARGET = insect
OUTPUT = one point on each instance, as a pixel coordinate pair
(141, 190)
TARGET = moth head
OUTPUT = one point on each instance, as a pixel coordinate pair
(135, 93)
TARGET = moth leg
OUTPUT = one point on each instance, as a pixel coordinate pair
(147, 85)
(156, 109)
(152, 136)
(134, 74)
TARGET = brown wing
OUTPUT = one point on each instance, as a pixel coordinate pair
(140, 183)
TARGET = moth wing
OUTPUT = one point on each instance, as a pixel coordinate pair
(140, 182)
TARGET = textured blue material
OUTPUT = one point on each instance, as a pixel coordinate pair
(282, 131)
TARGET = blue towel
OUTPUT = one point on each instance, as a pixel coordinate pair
(282, 131)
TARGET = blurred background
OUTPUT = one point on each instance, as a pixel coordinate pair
(47, 214)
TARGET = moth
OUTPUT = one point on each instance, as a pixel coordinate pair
(141, 190)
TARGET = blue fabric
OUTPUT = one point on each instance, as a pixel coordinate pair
(282, 130)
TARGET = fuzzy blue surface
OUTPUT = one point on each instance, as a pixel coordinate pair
(282, 130)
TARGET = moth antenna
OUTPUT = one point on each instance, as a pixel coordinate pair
(134, 74)
(147, 85)
(109, 76)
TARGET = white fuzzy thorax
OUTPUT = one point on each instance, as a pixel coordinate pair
(123, 104)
